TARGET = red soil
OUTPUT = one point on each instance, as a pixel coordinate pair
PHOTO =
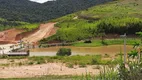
(8, 36)
(25, 34)
(13, 35)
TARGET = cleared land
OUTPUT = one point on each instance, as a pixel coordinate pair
(44, 31)
(44, 69)
(8, 36)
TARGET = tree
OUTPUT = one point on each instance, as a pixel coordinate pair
(102, 35)
(64, 52)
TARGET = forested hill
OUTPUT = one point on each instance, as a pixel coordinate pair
(27, 11)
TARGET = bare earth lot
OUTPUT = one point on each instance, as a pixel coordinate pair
(44, 69)
(44, 31)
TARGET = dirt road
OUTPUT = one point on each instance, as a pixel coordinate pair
(43, 31)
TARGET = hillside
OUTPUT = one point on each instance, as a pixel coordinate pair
(5, 25)
(27, 11)
(117, 17)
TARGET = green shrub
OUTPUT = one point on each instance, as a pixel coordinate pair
(3, 56)
(106, 55)
(30, 63)
(64, 52)
(82, 64)
(70, 65)
(20, 63)
(133, 54)
(133, 71)
(87, 41)
(96, 59)
(38, 62)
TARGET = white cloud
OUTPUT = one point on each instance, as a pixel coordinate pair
(41, 1)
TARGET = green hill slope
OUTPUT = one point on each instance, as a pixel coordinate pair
(5, 24)
(117, 17)
(27, 11)
(20, 12)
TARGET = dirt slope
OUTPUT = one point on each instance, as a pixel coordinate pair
(52, 32)
(13, 35)
(44, 30)
(8, 36)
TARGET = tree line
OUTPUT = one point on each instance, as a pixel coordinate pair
(27, 11)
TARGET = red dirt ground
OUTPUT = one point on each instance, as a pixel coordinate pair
(8, 36)
(13, 35)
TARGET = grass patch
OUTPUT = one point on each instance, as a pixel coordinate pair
(70, 61)
(29, 27)
(96, 43)
(5, 24)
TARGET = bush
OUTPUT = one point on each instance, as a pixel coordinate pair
(2, 56)
(64, 52)
(133, 71)
(94, 61)
(30, 63)
(87, 41)
(70, 65)
(81, 65)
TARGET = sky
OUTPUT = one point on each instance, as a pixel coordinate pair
(40, 1)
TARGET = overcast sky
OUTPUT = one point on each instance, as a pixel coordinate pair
(40, 1)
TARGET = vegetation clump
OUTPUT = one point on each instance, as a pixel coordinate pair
(87, 41)
(5, 24)
(2, 56)
(64, 52)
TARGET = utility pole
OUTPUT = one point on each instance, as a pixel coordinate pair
(125, 52)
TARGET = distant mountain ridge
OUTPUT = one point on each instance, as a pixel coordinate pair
(27, 11)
